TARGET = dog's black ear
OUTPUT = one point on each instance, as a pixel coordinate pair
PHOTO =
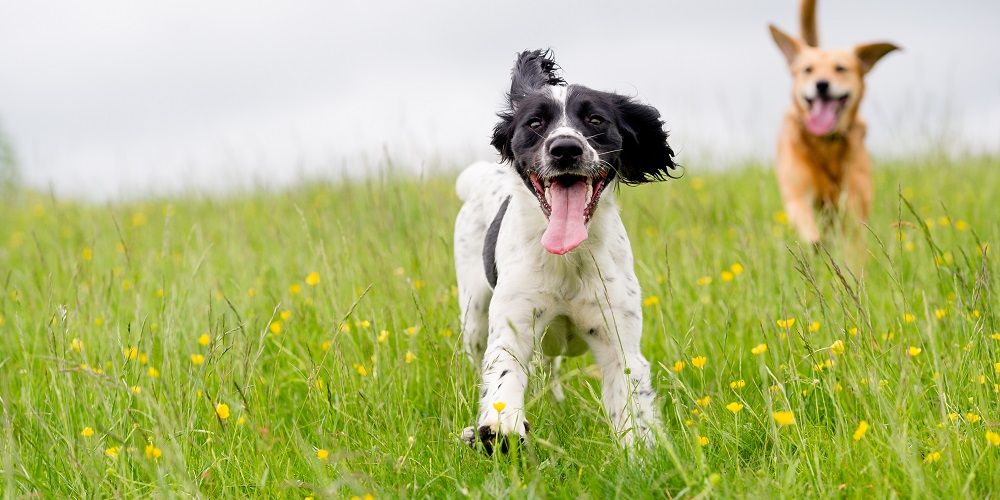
(503, 134)
(533, 70)
(645, 156)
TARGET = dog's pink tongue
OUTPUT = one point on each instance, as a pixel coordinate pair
(822, 117)
(566, 222)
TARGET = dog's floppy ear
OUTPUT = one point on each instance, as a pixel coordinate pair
(645, 155)
(789, 46)
(869, 54)
(533, 70)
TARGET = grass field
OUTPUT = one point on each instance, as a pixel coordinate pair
(303, 344)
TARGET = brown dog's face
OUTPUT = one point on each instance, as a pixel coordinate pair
(828, 84)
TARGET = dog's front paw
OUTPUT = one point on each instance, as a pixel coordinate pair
(490, 440)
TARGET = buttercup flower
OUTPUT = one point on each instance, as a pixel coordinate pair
(322, 454)
(152, 452)
(698, 361)
(651, 301)
(76, 345)
(312, 279)
(736, 268)
(222, 410)
(197, 359)
(934, 456)
(837, 347)
(992, 438)
(814, 326)
(678, 366)
(861, 430)
(914, 351)
(702, 440)
(737, 384)
(499, 406)
(87, 432)
(704, 401)
(410, 357)
(734, 407)
(784, 417)
(786, 323)
(760, 349)
(204, 339)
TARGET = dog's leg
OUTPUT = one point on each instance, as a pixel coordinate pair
(474, 291)
(552, 374)
(628, 392)
(505, 373)
(801, 214)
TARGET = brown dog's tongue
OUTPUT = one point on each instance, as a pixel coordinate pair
(566, 222)
(822, 117)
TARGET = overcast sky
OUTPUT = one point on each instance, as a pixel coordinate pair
(115, 98)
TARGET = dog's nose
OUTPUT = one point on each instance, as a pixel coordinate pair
(566, 150)
(822, 88)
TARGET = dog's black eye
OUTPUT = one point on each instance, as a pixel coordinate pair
(809, 69)
(840, 69)
(535, 123)
(596, 120)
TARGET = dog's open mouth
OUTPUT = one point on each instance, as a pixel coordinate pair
(823, 114)
(568, 201)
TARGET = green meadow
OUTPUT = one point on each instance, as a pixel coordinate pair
(305, 342)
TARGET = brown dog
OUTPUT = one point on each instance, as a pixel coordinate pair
(822, 162)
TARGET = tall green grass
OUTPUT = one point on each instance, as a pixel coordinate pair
(103, 307)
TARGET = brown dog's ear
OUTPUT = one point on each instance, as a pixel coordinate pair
(869, 54)
(789, 46)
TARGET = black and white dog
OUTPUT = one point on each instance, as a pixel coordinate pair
(539, 261)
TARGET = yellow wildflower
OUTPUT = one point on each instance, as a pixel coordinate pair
(961, 225)
(275, 327)
(136, 389)
(837, 347)
(312, 279)
(736, 268)
(87, 432)
(410, 357)
(853, 331)
(499, 406)
(222, 410)
(295, 289)
(972, 418)
(383, 335)
(362, 371)
(737, 384)
(814, 327)
(934, 456)
(784, 417)
(861, 430)
(704, 401)
(705, 280)
(76, 345)
(285, 315)
(325, 345)
(914, 351)
(197, 359)
(153, 372)
(698, 361)
(996, 367)
(143, 357)
(953, 416)
(204, 339)
(992, 438)
(786, 323)
(152, 452)
(760, 349)
(412, 330)
(702, 440)
(727, 276)
(651, 301)
(130, 353)
(113, 451)
(242, 420)
(940, 313)
(734, 407)
(908, 318)
(87, 254)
